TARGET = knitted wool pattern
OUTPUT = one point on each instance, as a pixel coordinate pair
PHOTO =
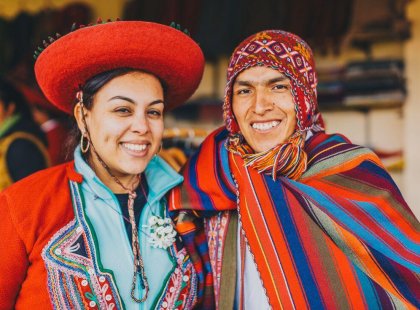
(287, 53)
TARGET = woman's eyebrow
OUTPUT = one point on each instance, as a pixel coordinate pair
(133, 101)
(157, 101)
(123, 98)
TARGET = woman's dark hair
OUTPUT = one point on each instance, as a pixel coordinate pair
(9, 94)
(91, 87)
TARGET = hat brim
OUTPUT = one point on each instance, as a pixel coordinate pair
(163, 51)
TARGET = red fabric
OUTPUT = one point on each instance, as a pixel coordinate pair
(56, 136)
(161, 50)
(32, 211)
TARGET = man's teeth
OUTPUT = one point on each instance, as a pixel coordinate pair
(135, 147)
(265, 126)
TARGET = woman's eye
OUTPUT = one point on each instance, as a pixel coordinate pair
(122, 110)
(155, 113)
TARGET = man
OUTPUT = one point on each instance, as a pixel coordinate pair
(22, 143)
(52, 122)
(293, 218)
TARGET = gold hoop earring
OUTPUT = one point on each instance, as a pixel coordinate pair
(160, 149)
(84, 146)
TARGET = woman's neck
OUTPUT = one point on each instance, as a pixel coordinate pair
(129, 181)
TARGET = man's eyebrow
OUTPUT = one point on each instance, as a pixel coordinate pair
(276, 79)
(243, 83)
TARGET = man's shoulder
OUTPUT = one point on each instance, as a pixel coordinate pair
(334, 153)
(322, 143)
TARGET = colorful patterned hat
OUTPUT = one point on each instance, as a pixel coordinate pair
(287, 53)
(170, 54)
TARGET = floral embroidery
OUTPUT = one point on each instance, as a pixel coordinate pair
(181, 291)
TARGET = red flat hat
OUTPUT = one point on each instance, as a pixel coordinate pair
(163, 51)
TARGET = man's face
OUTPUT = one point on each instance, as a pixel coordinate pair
(263, 106)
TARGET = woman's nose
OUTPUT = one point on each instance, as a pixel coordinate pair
(139, 124)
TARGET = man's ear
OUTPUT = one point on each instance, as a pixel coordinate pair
(78, 115)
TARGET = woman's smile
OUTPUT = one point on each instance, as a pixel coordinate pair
(136, 149)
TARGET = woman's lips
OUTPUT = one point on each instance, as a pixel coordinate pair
(136, 149)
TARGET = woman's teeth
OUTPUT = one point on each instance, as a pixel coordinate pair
(134, 147)
(265, 126)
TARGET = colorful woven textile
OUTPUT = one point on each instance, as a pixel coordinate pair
(286, 159)
(340, 237)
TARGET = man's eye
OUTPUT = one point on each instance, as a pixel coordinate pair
(280, 87)
(243, 91)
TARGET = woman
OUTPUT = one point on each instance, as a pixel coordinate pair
(294, 218)
(94, 233)
(22, 143)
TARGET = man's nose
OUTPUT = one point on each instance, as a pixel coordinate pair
(263, 103)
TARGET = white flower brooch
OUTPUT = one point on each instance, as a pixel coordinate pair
(162, 233)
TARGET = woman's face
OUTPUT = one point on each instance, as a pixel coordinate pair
(126, 123)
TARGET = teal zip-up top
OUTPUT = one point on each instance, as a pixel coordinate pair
(115, 253)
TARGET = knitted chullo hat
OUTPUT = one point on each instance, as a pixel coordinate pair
(287, 53)
(69, 61)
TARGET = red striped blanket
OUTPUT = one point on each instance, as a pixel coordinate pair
(340, 237)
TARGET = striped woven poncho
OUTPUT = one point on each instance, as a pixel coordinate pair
(339, 237)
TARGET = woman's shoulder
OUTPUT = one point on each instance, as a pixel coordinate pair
(44, 182)
(38, 205)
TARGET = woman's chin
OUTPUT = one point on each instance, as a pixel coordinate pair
(135, 171)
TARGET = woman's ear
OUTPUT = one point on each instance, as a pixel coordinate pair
(79, 113)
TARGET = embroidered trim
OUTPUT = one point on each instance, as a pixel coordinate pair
(181, 289)
(216, 230)
(74, 278)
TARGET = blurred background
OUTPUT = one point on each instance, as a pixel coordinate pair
(366, 53)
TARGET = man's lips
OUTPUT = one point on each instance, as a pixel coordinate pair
(265, 126)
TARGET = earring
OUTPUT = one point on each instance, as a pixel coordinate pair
(160, 149)
(84, 146)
